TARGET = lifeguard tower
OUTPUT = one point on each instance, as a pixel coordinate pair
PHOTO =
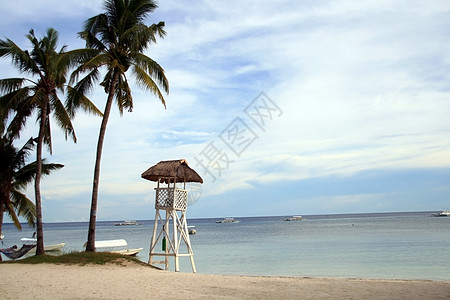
(171, 230)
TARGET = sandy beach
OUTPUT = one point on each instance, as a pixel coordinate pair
(135, 281)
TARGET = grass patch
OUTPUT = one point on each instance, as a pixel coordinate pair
(80, 258)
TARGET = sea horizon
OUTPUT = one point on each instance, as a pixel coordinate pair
(326, 215)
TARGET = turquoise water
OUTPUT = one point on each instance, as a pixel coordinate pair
(395, 245)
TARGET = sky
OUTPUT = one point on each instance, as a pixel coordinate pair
(283, 107)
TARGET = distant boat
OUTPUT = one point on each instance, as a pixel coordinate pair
(191, 229)
(115, 246)
(294, 218)
(126, 223)
(2, 236)
(444, 213)
(227, 220)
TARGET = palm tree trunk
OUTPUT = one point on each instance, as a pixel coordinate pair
(37, 183)
(90, 246)
(2, 210)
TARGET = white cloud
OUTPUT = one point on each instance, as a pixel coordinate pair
(362, 85)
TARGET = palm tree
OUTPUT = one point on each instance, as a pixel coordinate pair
(119, 37)
(15, 175)
(48, 69)
(13, 162)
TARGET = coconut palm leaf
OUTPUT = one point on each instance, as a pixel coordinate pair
(24, 207)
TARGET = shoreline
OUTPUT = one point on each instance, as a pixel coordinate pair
(137, 281)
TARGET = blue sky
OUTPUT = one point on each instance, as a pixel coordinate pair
(354, 98)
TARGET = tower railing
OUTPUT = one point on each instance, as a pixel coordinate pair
(171, 199)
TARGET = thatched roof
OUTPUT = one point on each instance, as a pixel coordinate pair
(172, 168)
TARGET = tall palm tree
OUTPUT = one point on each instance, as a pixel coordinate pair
(120, 37)
(48, 69)
(15, 175)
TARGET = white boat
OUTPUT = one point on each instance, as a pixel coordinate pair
(54, 247)
(47, 248)
(115, 246)
(191, 229)
(2, 236)
(126, 223)
(444, 213)
(128, 252)
(227, 220)
(294, 218)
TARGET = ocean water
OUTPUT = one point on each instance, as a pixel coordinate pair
(388, 245)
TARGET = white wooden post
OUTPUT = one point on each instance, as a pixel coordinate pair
(175, 240)
(154, 238)
(168, 242)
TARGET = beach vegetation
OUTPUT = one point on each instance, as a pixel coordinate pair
(118, 38)
(38, 94)
(80, 258)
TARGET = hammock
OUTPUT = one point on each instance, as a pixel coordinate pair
(13, 253)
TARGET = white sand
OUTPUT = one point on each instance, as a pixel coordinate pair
(134, 281)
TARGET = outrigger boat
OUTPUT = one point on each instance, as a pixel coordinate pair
(228, 220)
(444, 213)
(126, 223)
(191, 229)
(115, 246)
(294, 218)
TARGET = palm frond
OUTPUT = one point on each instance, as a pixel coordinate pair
(24, 207)
(24, 177)
(155, 71)
(146, 82)
(23, 153)
(76, 100)
(48, 135)
(93, 26)
(141, 9)
(139, 37)
(26, 174)
(47, 168)
(107, 80)
(75, 58)
(62, 117)
(20, 58)
(9, 208)
(86, 84)
(23, 105)
(91, 66)
(37, 55)
(158, 29)
(9, 103)
(9, 85)
(50, 40)
(123, 95)
(13, 99)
